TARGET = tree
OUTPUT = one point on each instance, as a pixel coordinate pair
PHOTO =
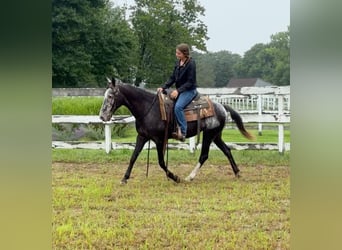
(280, 44)
(159, 26)
(224, 62)
(270, 62)
(251, 66)
(90, 40)
(215, 69)
(204, 69)
(114, 49)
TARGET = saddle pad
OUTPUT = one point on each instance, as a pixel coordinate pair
(203, 106)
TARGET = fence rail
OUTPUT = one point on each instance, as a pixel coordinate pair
(255, 104)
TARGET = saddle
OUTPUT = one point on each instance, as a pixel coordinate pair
(199, 108)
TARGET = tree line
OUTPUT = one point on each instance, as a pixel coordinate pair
(92, 39)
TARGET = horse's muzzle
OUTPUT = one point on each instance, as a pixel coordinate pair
(103, 118)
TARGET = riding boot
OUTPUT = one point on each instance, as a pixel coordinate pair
(178, 135)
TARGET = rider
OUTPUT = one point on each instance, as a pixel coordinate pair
(184, 75)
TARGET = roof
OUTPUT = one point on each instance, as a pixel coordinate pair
(247, 82)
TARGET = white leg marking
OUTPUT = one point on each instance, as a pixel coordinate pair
(193, 173)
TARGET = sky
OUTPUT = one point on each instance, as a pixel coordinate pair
(237, 25)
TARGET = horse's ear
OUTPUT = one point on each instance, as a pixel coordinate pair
(113, 81)
(108, 80)
(110, 83)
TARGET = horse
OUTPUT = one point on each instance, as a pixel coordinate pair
(144, 106)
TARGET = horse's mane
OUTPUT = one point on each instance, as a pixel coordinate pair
(135, 88)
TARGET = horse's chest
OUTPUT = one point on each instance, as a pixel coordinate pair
(144, 129)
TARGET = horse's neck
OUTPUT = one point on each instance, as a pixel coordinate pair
(137, 101)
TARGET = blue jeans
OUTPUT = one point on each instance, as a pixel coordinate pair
(183, 100)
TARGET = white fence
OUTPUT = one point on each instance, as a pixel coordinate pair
(249, 101)
(255, 104)
(266, 103)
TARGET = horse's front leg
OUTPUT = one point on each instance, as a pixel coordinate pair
(140, 142)
(161, 161)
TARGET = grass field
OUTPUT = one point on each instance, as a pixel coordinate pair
(80, 105)
(91, 210)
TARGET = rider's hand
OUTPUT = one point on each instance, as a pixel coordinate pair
(174, 94)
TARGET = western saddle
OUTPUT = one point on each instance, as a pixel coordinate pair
(199, 108)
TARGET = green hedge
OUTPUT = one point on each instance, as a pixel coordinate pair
(80, 106)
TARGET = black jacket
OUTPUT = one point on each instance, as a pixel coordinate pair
(184, 76)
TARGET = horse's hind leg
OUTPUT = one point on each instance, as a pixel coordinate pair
(140, 142)
(194, 172)
(226, 150)
(207, 139)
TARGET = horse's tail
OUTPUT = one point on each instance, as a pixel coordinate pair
(238, 120)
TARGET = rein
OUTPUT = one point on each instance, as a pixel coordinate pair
(165, 146)
(148, 111)
(149, 141)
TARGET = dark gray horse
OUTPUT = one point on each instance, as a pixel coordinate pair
(144, 106)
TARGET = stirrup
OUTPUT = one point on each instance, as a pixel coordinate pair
(178, 135)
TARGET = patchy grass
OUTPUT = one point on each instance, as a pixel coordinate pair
(91, 210)
(270, 135)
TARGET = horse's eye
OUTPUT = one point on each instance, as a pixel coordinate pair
(110, 96)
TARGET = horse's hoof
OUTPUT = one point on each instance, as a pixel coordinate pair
(237, 175)
(123, 181)
(188, 178)
(177, 179)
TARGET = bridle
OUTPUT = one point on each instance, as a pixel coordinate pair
(116, 92)
(111, 102)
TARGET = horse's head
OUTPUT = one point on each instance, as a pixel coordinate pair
(111, 100)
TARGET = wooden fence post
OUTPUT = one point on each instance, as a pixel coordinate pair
(260, 114)
(192, 144)
(281, 144)
(108, 138)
